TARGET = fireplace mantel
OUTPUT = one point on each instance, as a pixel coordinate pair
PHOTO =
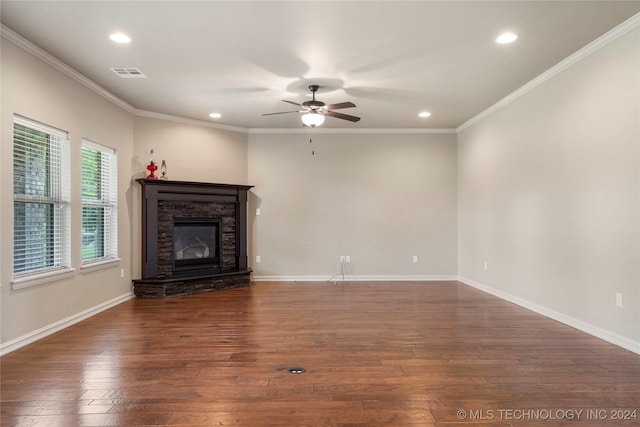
(162, 202)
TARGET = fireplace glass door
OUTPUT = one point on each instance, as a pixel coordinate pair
(196, 246)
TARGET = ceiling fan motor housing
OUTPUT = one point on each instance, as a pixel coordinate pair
(314, 105)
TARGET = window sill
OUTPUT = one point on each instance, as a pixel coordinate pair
(41, 278)
(99, 265)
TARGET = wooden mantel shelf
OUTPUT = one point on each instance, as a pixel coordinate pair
(165, 183)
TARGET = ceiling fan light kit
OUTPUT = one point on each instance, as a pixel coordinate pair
(312, 119)
(316, 111)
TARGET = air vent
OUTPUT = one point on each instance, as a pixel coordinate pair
(129, 73)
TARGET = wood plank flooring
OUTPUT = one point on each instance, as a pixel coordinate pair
(375, 354)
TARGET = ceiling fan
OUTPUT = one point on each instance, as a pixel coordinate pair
(315, 111)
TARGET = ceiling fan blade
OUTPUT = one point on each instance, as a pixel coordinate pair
(291, 102)
(343, 116)
(341, 105)
(281, 112)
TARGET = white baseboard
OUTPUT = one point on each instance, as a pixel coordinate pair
(34, 336)
(348, 278)
(588, 328)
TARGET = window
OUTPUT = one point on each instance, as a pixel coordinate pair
(99, 203)
(41, 236)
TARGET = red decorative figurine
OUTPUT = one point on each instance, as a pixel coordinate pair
(151, 167)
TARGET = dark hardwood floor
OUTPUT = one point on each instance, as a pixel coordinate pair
(375, 354)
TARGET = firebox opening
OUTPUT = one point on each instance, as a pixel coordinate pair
(196, 246)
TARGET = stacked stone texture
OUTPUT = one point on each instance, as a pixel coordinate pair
(170, 209)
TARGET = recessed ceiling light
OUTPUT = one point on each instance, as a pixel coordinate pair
(424, 114)
(120, 38)
(506, 38)
(215, 115)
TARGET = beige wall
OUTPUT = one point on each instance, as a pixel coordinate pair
(549, 194)
(545, 191)
(192, 153)
(35, 90)
(379, 198)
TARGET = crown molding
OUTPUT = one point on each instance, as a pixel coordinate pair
(54, 62)
(306, 130)
(185, 120)
(310, 131)
(51, 60)
(622, 29)
(617, 32)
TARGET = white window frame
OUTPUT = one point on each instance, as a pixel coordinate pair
(108, 202)
(58, 196)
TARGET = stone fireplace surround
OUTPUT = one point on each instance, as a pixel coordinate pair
(162, 202)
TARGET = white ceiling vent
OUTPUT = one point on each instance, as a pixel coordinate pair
(129, 73)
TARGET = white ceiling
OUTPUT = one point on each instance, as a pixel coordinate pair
(392, 59)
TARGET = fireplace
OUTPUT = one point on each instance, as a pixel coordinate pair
(194, 238)
(196, 246)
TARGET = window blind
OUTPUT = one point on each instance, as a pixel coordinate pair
(41, 195)
(99, 202)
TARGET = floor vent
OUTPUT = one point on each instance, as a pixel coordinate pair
(129, 73)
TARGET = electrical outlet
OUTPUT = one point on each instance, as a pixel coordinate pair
(347, 258)
(343, 259)
(415, 258)
(257, 259)
(122, 273)
(486, 265)
(258, 212)
(618, 299)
